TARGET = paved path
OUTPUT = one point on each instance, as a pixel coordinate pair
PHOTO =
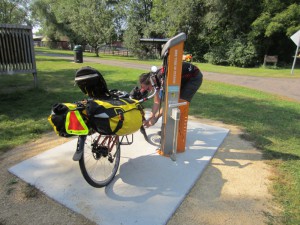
(287, 87)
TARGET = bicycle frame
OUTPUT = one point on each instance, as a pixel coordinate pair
(108, 141)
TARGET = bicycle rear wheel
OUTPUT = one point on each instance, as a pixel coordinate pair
(100, 159)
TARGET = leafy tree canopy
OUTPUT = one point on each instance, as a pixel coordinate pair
(218, 31)
(15, 12)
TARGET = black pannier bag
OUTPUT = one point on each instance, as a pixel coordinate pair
(57, 119)
(91, 82)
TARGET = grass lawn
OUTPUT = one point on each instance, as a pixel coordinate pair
(271, 123)
(268, 71)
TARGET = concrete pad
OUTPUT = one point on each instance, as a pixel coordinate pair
(147, 189)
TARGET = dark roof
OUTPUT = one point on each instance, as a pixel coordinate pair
(154, 40)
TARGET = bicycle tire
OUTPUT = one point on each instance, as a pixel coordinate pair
(99, 166)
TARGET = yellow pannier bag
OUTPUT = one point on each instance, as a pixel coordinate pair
(115, 116)
(67, 121)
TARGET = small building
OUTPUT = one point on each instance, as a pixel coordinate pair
(37, 40)
(62, 43)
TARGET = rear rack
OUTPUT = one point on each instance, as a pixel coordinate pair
(128, 139)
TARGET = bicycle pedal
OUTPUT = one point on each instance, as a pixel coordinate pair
(77, 155)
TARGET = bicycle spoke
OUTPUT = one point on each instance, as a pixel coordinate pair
(100, 160)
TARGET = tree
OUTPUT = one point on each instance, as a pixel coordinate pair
(229, 32)
(278, 20)
(191, 21)
(47, 13)
(138, 18)
(14, 12)
(225, 23)
(93, 19)
(83, 21)
(170, 17)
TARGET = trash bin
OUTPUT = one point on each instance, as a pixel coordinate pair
(78, 56)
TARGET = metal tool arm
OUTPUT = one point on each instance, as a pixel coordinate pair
(155, 88)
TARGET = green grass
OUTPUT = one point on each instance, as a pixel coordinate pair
(89, 54)
(268, 71)
(270, 122)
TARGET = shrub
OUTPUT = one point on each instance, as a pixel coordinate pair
(242, 54)
(217, 55)
(237, 52)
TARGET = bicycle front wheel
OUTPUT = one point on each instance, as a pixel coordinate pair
(100, 159)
